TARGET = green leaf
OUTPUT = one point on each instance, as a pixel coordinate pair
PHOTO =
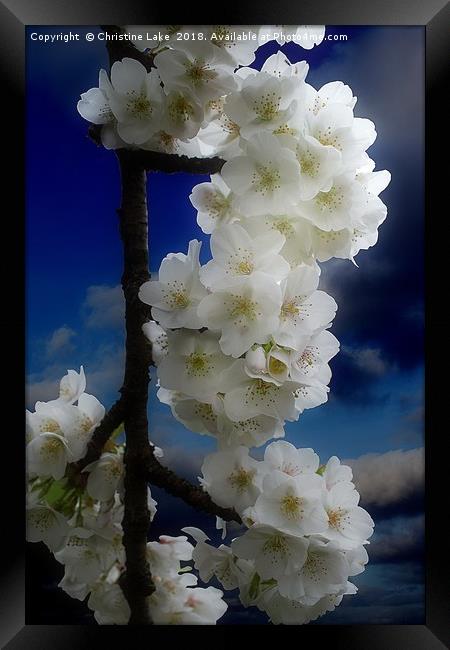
(321, 470)
(254, 586)
(55, 493)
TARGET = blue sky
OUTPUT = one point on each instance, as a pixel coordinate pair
(74, 305)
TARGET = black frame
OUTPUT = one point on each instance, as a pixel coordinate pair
(434, 15)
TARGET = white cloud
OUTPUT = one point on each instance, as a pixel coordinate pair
(104, 306)
(392, 477)
(60, 341)
(368, 359)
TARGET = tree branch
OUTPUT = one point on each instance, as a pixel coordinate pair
(112, 419)
(137, 585)
(163, 477)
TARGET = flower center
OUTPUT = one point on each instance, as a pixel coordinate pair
(49, 425)
(180, 110)
(243, 307)
(41, 519)
(289, 310)
(176, 297)
(315, 566)
(335, 518)
(331, 200)
(140, 106)
(51, 448)
(205, 412)
(198, 364)
(267, 106)
(309, 164)
(241, 479)
(284, 226)
(266, 179)
(291, 506)
(276, 545)
(327, 138)
(199, 72)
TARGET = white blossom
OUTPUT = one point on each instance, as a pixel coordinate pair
(176, 294)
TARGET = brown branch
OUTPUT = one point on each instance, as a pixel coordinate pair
(112, 419)
(137, 585)
(163, 477)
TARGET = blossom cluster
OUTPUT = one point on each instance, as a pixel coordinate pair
(304, 532)
(164, 109)
(242, 343)
(80, 522)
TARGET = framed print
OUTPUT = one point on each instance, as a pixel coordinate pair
(225, 361)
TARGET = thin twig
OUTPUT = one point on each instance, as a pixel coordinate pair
(163, 477)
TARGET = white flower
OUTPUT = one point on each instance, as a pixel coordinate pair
(247, 397)
(272, 366)
(158, 338)
(284, 457)
(83, 556)
(167, 143)
(311, 363)
(236, 255)
(94, 104)
(263, 102)
(292, 612)
(90, 414)
(48, 455)
(266, 179)
(291, 504)
(245, 312)
(214, 204)
(338, 207)
(73, 587)
(227, 37)
(176, 294)
(194, 365)
(46, 525)
(251, 432)
(334, 92)
(357, 558)
(334, 125)
(279, 65)
(335, 473)
(72, 386)
(274, 553)
(164, 556)
(200, 68)
(220, 136)
(232, 478)
(304, 310)
(136, 100)
(104, 476)
(210, 561)
(183, 115)
(296, 230)
(348, 524)
(197, 607)
(109, 604)
(318, 165)
(310, 395)
(325, 571)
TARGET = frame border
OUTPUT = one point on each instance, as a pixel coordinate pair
(434, 15)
